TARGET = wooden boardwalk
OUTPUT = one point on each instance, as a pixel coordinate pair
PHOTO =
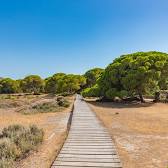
(88, 144)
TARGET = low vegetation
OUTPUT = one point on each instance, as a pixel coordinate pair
(17, 100)
(54, 125)
(45, 106)
(16, 141)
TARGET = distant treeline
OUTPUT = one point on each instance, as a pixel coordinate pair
(129, 76)
(59, 83)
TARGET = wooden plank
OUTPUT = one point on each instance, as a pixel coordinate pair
(88, 144)
(74, 167)
(90, 140)
(82, 152)
(89, 130)
(62, 163)
(87, 138)
(88, 156)
(104, 160)
(77, 135)
(89, 147)
(89, 133)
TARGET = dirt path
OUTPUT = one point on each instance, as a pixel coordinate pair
(140, 132)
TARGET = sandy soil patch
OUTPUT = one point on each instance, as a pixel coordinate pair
(54, 126)
(140, 132)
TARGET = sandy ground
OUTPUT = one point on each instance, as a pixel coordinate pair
(54, 126)
(140, 132)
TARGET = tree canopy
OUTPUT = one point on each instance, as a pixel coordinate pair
(94, 91)
(32, 84)
(61, 83)
(92, 75)
(8, 85)
(134, 74)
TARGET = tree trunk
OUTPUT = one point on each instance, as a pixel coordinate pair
(157, 97)
(141, 97)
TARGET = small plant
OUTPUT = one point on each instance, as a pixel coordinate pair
(6, 102)
(45, 107)
(4, 163)
(62, 102)
(65, 94)
(8, 149)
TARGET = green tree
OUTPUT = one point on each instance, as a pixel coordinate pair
(134, 74)
(73, 83)
(92, 75)
(61, 83)
(53, 84)
(8, 85)
(32, 84)
(94, 91)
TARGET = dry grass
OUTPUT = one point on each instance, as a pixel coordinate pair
(13, 101)
(16, 141)
(45, 105)
(53, 124)
(140, 132)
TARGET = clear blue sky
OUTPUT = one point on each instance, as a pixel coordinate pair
(48, 36)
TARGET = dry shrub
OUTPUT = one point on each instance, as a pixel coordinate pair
(16, 141)
(62, 102)
(48, 105)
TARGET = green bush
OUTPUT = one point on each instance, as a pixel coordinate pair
(91, 92)
(65, 94)
(8, 85)
(111, 93)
